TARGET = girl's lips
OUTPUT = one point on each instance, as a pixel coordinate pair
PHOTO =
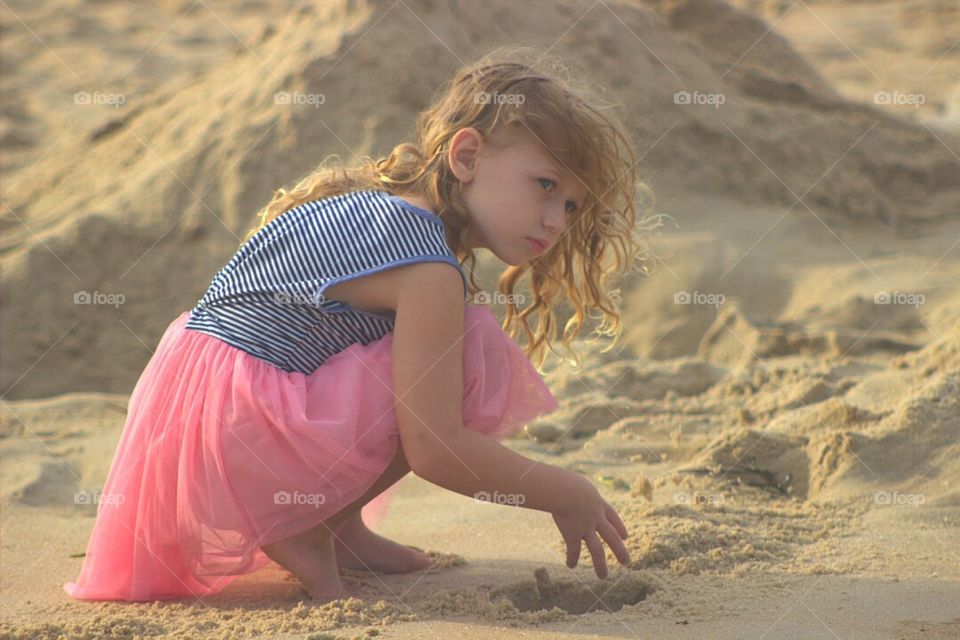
(537, 246)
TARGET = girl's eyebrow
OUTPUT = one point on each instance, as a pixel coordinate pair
(560, 176)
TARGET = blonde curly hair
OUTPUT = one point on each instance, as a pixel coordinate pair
(604, 237)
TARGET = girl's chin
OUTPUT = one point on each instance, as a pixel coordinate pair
(517, 256)
(513, 260)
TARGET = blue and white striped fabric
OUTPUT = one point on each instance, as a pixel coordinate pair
(268, 300)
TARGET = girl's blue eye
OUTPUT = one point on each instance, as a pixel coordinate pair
(571, 205)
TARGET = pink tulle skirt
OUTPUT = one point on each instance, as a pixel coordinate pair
(222, 453)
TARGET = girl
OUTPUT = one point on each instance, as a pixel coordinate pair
(335, 352)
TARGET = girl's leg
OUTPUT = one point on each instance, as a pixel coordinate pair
(359, 548)
(311, 557)
(396, 470)
(314, 555)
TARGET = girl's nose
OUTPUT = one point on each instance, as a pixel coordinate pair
(555, 222)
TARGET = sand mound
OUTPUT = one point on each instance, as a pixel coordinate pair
(733, 340)
(722, 537)
(766, 467)
(879, 47)
(605, 396)
(827, 439)
(772, 462)
(171, 182)
(737, 287)
(642, 381)
(776, 84)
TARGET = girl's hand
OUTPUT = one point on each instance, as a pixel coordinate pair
(590, 518)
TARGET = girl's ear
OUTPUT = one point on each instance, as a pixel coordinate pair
(464, 153)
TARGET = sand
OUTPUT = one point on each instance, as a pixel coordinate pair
(882, 46)
(778, 429)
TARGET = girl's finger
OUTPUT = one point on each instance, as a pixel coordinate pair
(596, 552)
(609, 534)
(573, 552)
(614, 519)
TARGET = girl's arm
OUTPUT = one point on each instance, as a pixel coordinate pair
(428, 387)
(578, 509)
(477, 465)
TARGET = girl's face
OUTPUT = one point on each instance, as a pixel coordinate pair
(515, 192)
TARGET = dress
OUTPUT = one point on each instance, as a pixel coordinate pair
(224, 451)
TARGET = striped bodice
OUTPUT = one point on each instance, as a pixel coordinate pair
(268, 300)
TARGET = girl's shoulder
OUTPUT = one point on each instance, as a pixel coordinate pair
(383, 202)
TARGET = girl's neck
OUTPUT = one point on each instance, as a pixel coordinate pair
(417, 201)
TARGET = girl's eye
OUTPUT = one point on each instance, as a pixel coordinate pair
(571, 205)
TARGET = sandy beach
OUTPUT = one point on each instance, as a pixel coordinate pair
(779, 427)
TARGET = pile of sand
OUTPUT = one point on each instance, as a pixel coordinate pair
(899, 56)
(170, 184)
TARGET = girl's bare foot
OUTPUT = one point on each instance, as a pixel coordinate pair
(360, 549)
(310, 556)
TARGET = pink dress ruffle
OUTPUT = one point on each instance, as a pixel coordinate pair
(222, 453)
